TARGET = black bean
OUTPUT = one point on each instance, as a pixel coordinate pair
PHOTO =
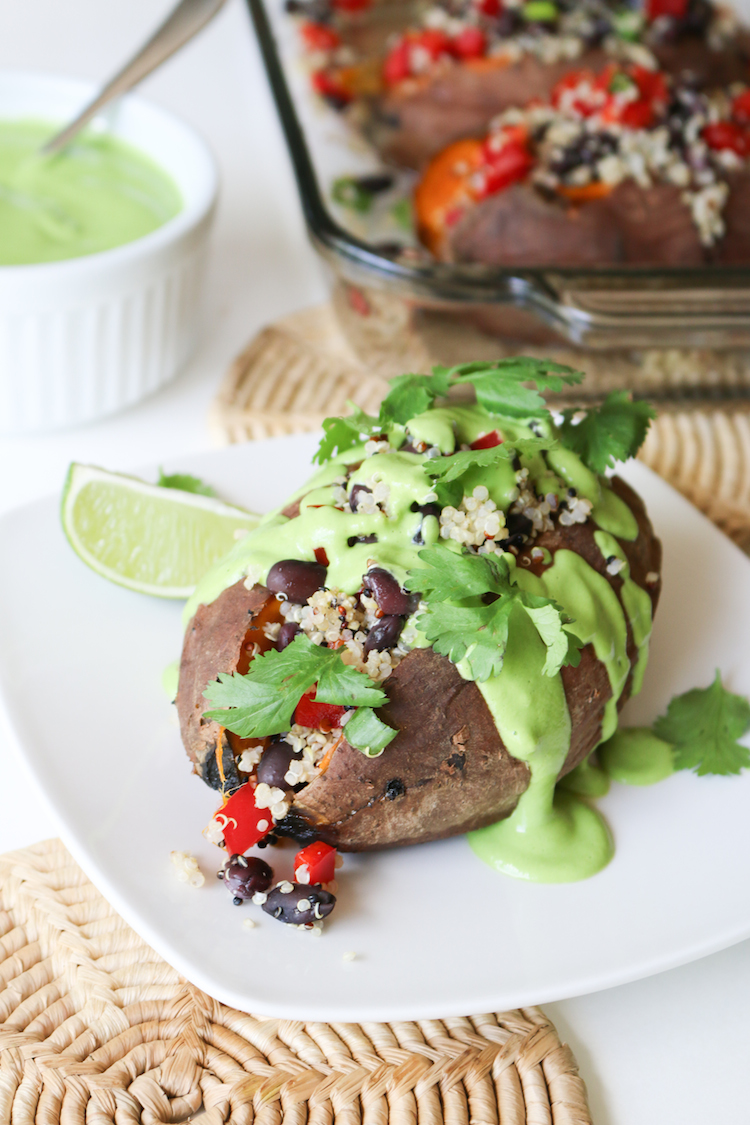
(375, 182)
(356, 491)
(431, 509)
(296, 579)
(354, 539)
(287, 633)
(275, 763)
(282, 904)
(383, 587)
(385, 634)
(395, 788)
(244, 875)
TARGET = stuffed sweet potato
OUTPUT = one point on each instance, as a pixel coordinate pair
(621, 168)
(445, 619)
(469, 61)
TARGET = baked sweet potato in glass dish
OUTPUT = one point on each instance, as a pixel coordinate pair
(436, 73)
(620, 167)
(440, 625)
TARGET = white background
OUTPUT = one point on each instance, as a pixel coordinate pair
(673, 1048)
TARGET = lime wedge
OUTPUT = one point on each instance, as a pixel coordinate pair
(154, 540)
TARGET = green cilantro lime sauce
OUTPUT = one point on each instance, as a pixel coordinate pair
(544, 840)
(586, 780)
(96, 194)
(636, 756)
(552, 836)
(637, 604)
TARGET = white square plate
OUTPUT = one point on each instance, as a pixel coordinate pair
(436, 933)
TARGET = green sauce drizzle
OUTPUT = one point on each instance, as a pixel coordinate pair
(635, 756)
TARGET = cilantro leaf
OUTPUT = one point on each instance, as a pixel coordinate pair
(184, 482)
(340, 434)
(462, 623)
(477, 633)
(703, 725)
(611, 432)
(411, 395)
(499, 386)
(447, 469)
(262, 702)
(366, 732)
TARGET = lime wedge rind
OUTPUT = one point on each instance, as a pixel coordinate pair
(153, 540)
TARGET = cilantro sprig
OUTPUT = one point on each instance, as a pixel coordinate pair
(611, 432)
(470, 600)
(499, 385)
(185, 482)
(448, 469)
(703, 726)
(262, 702)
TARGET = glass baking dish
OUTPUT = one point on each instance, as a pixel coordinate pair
(662, 331)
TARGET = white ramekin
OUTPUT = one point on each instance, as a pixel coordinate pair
(88, 336)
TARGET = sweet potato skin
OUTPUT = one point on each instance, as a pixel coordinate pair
(447, 771)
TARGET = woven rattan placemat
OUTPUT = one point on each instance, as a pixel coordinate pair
(299, 370)
(95, 1028)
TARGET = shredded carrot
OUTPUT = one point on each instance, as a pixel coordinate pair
(326, 761)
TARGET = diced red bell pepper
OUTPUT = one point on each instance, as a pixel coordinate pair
(487, 441)
(397, 63)
(490, 8)
(741, 108)
(675, 8)
(320, 553)
(315, 864)
(512, 163)
(471, 43)
(357, 301)
(351, 5)
(319, 37)
(637, 115)
(727, 135)
(319, 716)
(242, 822)
(328, 85)
(435, 42)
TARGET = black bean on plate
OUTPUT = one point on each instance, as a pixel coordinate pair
(299, 903)
(244, 876)
(287, 633)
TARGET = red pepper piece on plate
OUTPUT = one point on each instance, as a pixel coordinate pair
(320, 552)
(319, 716)
(487, 441)
(242, 822)
(315, 864)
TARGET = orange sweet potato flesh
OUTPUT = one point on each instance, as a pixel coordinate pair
(447, 771)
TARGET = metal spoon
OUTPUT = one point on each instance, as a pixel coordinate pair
(181, 25)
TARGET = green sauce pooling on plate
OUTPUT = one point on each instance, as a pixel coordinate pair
(96, 194)
(553, 835)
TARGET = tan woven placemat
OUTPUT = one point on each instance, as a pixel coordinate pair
(299, 370)
(95, 1028)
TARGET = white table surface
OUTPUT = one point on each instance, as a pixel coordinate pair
(673, 1048)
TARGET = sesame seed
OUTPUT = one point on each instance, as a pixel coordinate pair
(350, 955)
(285, 887)
(259, 898)
(249, 924)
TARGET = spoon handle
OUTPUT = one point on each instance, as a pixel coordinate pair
(181, 24)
